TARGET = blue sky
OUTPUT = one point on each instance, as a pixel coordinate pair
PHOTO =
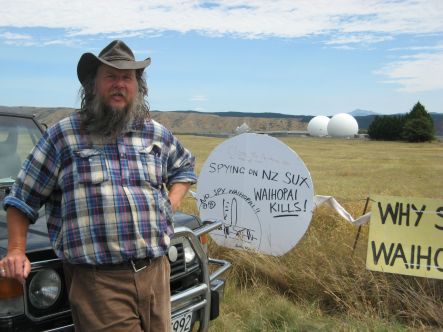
(315, 57)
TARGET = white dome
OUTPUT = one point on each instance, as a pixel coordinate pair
(318, 126)
(342, 125)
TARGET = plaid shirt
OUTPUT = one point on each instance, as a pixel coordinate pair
(105, 202)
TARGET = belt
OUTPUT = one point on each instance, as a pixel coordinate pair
(136, 265)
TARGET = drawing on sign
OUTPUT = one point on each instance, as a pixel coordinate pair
(260, 189)
(246, 237)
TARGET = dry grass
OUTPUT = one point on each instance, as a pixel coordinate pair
(322, 280)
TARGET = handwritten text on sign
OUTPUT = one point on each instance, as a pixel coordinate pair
(274, 196)
(260, 189)
(405, 236)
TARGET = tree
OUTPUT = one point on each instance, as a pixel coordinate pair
(374, 129)
(418, 130)
(388, 128)
(417, 111)
(418, 126)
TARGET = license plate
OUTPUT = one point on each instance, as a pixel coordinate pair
(182, 323)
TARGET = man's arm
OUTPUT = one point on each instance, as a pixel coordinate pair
(16, 264)
(176, 194)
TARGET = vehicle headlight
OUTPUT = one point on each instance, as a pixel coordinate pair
(44, 289)
(189, 252)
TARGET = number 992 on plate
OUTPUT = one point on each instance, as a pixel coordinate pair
(182, 323)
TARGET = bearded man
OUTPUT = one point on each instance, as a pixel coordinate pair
(110, 179)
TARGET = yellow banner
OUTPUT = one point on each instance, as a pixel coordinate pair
(406, 236)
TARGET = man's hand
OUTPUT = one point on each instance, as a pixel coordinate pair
(16, 265)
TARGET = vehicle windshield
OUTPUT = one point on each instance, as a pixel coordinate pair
(17, 138)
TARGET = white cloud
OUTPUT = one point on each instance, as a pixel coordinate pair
(15, 36)
(17, 39)
(358, 39)
(241, 18)
(416, 73)
(65, 41)
(344, 24)
(419, 48)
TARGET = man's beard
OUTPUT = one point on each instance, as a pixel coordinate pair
(102, 119)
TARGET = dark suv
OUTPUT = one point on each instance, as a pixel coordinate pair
(42, 303)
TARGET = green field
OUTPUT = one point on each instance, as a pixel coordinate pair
(323, 284)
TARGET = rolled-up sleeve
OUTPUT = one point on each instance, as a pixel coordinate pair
(181, 164)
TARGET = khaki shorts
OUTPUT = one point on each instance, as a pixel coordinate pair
(119, 299)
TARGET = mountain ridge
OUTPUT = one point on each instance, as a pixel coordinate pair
(197, 122)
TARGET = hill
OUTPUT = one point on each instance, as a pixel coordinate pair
(187, 122)
(219, 123)
(359, 112)
(193, 122)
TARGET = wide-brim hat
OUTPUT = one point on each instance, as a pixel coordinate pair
(117, 54)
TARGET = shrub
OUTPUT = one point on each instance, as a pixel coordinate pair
(388, 128)
(416, 126)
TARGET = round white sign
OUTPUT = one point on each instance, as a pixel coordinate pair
(260, 189)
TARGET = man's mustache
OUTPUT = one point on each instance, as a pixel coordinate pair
(120, 93)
